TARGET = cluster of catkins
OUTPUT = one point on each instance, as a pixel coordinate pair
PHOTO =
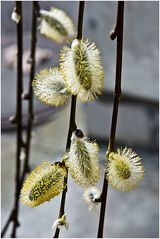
(80, 73)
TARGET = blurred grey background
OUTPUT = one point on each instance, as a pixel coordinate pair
(128, 215)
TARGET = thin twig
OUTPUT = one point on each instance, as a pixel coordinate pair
(29, 95)
(9, 220)
(19, 118)
(72, 127)
(116, 33)
(72, 124)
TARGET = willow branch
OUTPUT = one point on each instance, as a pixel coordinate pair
(18, 117)
(29, 96)
(72, 124)
(116, 33)
(9, 220)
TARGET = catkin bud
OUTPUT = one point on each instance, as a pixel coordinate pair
(15, 17)
(90, 195)
(61, 222)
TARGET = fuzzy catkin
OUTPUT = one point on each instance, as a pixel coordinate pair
(82, 69)
(50, 88)
(82, 161)
(44, 183)
(124, 170)
(56, 25)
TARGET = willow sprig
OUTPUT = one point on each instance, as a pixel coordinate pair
(17, 17)
(116, 33)
(72, 124)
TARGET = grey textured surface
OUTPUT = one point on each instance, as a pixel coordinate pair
(128, 215)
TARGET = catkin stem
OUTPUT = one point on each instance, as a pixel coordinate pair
(72, 124)
(116, 33)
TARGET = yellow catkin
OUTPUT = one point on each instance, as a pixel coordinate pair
(124, 170)
(83, 162)
(82, 69)
(50, 88)
(44, 183)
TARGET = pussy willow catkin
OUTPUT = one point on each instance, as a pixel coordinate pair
(44, 183)
(82, 161)
(56, 25)
(82, 69)
(124, 170)
(50, 88)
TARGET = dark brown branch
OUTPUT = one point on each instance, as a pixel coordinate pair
(30, 92)
(37, 8)
(80, 19)
(72, 127)
(9, 220)
(19, 118)
(119, 34)
(29, 96)
(129, 99)
(14, 214)
(72, 124)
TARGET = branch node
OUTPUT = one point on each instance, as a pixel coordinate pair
(23, 144)
(25, 96)
(113, 34)
(13, 119)
(30, 60)
(28, 169)
(98, 199)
